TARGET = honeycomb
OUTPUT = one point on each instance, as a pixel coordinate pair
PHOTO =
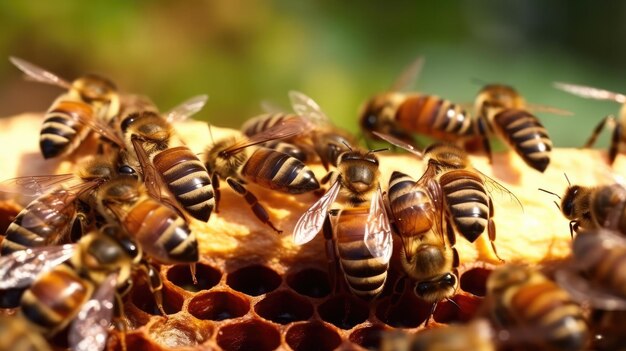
(256, 290)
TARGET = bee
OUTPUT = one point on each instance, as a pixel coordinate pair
(15, 335)
(593, 207)
(359, 236)
(467, 203)
(60, 211)
(74, 284)
(323, 140)
(542, 314)
(428, 257)
(234, 160)
(504, 110)
(89, 99)
(401, 114)
(477, 336)
(166, 163)
(161, 233)
(617, 138)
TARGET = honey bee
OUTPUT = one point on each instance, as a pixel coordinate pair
(161, 233)
(468, 204)
(15, 335)
(401, 114)
(593, 207)
(359, 236)
(617, 137)
(428, 257)
(506, 113)
(166, 163)
(235, 161)
(89, 99)
(323, 140)
(542, 314)
(81, 292)
(58, 213)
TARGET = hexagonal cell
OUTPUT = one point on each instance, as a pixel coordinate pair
(218, 306)
(312, 336)
(248, 335)
(142, 298)
(175, 332)
(462, 310)
(310, 282)
(474, 281)
(284, 307)
(368, 337)
(254, 280)
(344, 311)
(408, 312)
(207, 277)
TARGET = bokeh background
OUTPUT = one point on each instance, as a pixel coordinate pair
(338, 52)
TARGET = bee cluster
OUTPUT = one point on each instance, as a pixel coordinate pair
(111, 249)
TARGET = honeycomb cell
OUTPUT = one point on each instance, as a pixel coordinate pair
(462, 310)
(312, 336)
(254, 280)
(143, 299)
(248, 335)
(474, 281)
(175, 332)
(344, 311)
(368, 337)
(218, 306)
(408, 312)
(284, 307)
(310, 282)
(207, 277)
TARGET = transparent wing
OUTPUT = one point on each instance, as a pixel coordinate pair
(307, 107)
(583, 291)
(378, 230)
(401, 144)
(187, 109)
(150, 175)
(39, 74)
(90, 329)
(56, 205)
(590, 92)
(270, 107)
(19, 269)
(35, 185)
(287, 128)
(549, 109)
(311, 222)
(492, 185)
(409, 76)
(99, 127)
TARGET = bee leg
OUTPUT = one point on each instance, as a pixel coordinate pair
(192, 271)
(491, 230)
(431, 313)
(121, 323)
(573, 228)
(215, 182)
(251, 199)
(396, 295)
(615, 141)
(598, 129)
(78, 227)
(155, 284)
(482, 131)
(331, 255)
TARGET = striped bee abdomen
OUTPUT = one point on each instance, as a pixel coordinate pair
(467, 202)
(364, 274)
(188, 180)
(278, 171)
(42, 223)
(525, 133)
(61, 131)
(411, 208)
(263, 122)
(435, 117)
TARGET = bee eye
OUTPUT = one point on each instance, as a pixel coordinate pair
(449, 280)
(128, 121)
(127, 170)
(423, 288)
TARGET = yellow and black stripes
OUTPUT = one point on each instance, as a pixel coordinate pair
(411, 207)
(278, 171)
(264, 122)
(61, 131)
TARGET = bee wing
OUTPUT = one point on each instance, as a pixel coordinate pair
(270, 107)
(19, 269)
(307, 107)
(150, 175)
(401, 144)
(549, 109)
(35, 185)
(99, 127)
(378, 230)
(285, 129)
(39, 74)
(187, 109)
(311, 222)
(491, 185)
(90, 329)
(583, 291)
(590, 92)
(409, 76)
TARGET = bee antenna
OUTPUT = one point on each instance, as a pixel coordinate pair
(477, 81)
(378, 150)
(454, 303)
(551, 193)
(347, 145)
(566, 178)
(211, 134)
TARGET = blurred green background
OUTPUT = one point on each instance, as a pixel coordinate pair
(338, 52)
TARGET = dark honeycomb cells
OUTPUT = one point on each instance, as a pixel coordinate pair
(144, 299)
(284, 307)
(254, 280)
(248, 335)
(218, 305)
(310, 282)
(206, 276)
(474, 281)
(368, 337)
(407, 312)
(344, 311)
(312, 336)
